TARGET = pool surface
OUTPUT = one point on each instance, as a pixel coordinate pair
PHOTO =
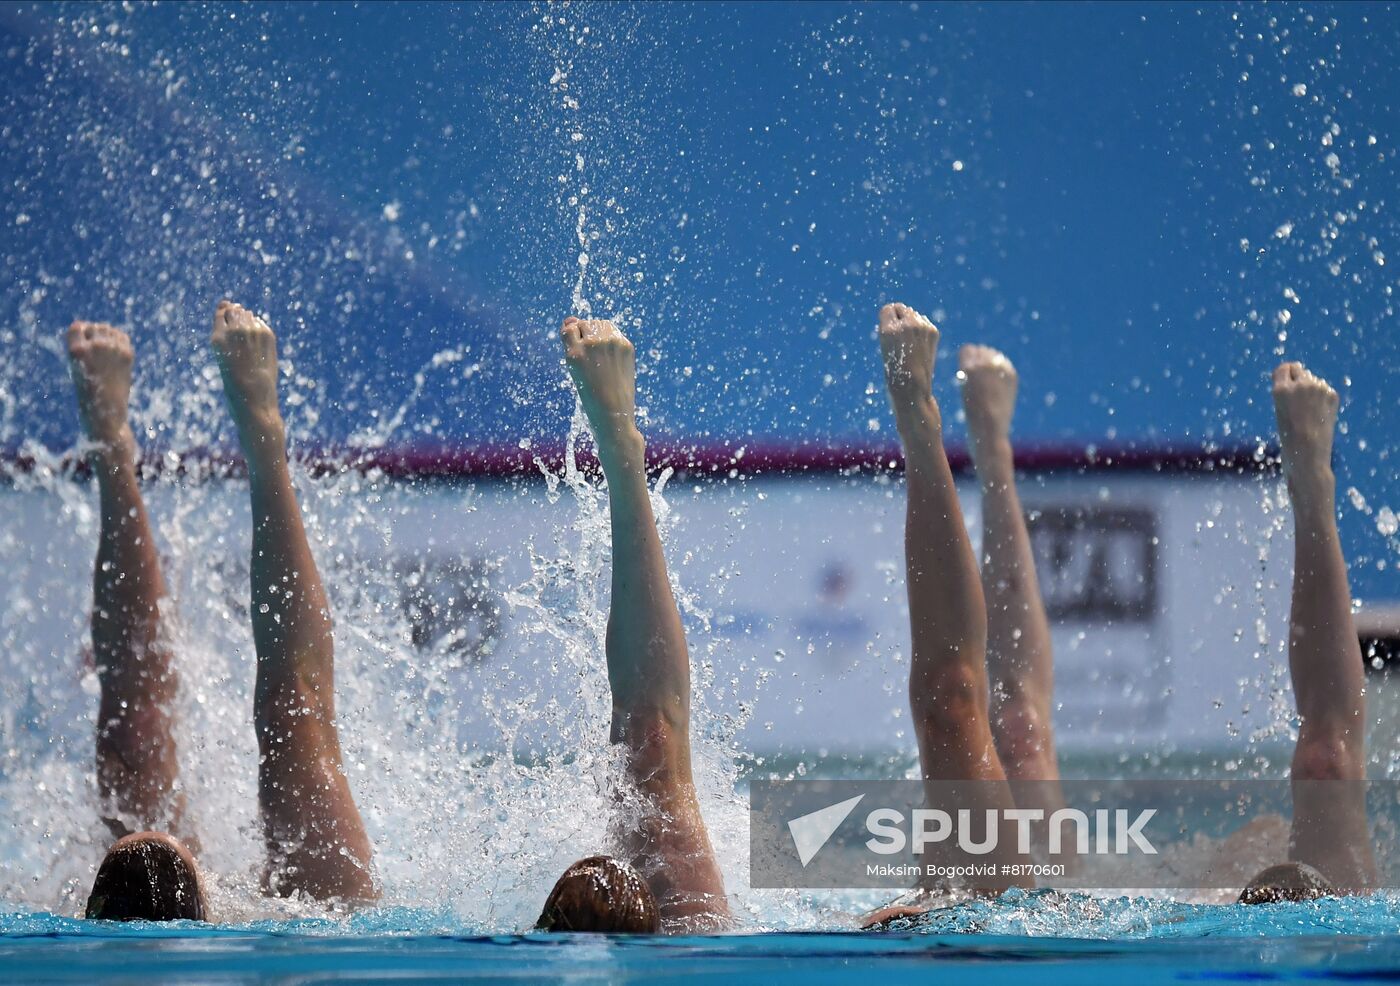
(1146, 206)
(1060, 940)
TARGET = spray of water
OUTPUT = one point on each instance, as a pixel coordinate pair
(477, 749)
(472, 693)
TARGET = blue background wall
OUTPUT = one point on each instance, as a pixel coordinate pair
(1125, 197)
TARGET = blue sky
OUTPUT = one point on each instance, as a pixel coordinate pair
(1143, 204)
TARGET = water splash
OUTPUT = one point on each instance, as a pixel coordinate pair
(471, 688)
(475, 720)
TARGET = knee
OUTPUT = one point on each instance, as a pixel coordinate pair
(1327, 757)
(286, 704)
(953, 693)
(1022, 731)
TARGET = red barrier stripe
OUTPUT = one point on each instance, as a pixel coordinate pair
(751, 459)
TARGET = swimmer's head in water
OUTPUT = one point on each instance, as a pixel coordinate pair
(1287, 882)
(601, 894)
(148, 876)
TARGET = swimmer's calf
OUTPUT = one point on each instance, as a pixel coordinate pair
(137, 769)
(666, 848)
(1020, 653)
(1330, 842)
(948, 686)
(316, 840)
(146, 875)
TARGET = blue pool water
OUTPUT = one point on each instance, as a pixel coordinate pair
(1041, 939)
(1167, 198)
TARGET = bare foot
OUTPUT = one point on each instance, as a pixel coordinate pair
(101, 366)
(909, 346)
(604, 369)
(247, 354)
(1306, 409)
(882, 918)
(989, 396)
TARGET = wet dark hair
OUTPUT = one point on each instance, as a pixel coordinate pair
(148, 876)
(1287, 882)
(601, 894)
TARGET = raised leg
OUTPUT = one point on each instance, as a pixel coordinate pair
(1330, 830)
(948, 690)
(137, 769)
(648, 664)
(316, 840)
(1020, 657)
